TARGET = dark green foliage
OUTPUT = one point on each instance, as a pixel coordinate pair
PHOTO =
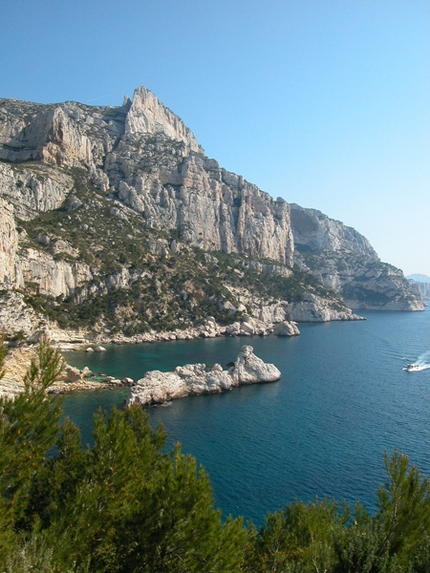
(325, 536)
(420, 560)
(126, 506)
(294, 287)
(403, 507)
(28, 430)
(298, 538)
(121, 506)
(358, 546)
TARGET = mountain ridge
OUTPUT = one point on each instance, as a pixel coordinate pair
(98, 202)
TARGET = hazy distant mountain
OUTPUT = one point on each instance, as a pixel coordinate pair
(419, 278)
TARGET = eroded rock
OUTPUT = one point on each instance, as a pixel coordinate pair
(196, 379)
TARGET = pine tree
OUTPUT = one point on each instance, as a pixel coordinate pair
(29, 426)
(358, 546)
(298, 538)
(403, 507)
(396, 538)
(138, 509)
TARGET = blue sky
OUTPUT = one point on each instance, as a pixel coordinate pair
(325, 103)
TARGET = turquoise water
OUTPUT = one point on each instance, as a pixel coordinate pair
(322, 430)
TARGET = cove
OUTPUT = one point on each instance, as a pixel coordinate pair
(322, 430)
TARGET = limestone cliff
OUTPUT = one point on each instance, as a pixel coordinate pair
(8, 246)
(421, 288)
(114, 218)
(143, 152)
(344, 260)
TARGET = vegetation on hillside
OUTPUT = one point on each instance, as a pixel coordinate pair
(142, 278)
(124, 505)
(357, 274)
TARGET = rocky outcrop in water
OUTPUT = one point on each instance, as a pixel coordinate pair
(196, 379)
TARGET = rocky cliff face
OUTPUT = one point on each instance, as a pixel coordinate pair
(8, 246)
(97, 200)
(150, 158)
(420, 288)
(314, 231)
(344, 260)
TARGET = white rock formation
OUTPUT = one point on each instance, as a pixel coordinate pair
(209, 206)
(148, 115)
(195, 379)
(8, 246)
(343, 260)
(15, 316)
(53, 276)
(314, 309)
(286, 328)
(249, 369)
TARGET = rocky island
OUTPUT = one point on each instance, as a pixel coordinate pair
(196, 379)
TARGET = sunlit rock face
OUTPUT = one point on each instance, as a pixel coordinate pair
(147, 115)
(146, 154)
(8, 246)
(139, 162)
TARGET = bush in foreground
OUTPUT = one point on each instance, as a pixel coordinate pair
(125, 506)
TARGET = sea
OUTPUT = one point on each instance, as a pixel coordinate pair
(321, 431)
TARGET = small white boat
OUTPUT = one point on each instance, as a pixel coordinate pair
(416, 367)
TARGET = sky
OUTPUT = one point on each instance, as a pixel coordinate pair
(325, 103)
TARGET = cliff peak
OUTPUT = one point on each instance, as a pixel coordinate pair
(147, 115)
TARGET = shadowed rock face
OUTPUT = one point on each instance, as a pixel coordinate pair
(314, 231)
(343, 260)
(195, 379)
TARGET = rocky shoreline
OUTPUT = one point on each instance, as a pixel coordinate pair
(210, 329)
(155, 387)
(72, 379)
